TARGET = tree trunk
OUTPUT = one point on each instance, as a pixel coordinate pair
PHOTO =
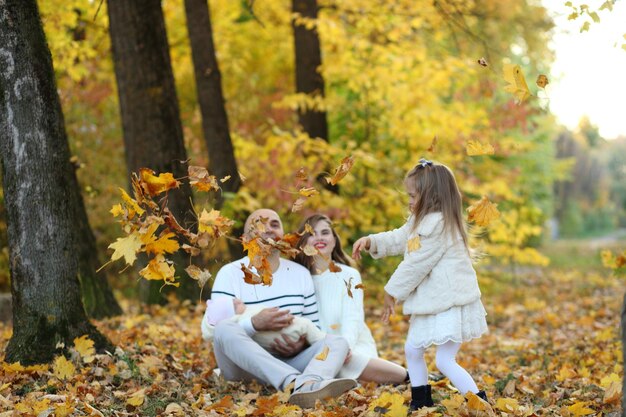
(41, 196)
(308, 60)
(210, 97)
(153, 135)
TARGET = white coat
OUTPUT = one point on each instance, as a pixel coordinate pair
(437, 276)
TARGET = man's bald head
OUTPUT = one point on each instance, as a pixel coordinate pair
(273, 223)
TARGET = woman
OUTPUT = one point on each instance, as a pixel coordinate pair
(338, 312)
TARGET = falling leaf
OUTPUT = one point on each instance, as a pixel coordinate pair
(482, 62)
(84, 347)
(414, 244)
(214, 223)
(131, 204)
(302, 175)
(475, 148)
(323, 354)
(359, 287)
(154, 185)
(62, 368)
(348, 286)
(200, 179)
(159, 269)
(200, 275)
(333, 267)
(226, 178)
(309, 250)
(250, 277)
(483, 212)
(116, 210)
(542, 81)
(308, 191)
(342, 170)
(136, 398)
(166, 243)
(517, 83)
(126, 247)
(433, 145)
(298, 204)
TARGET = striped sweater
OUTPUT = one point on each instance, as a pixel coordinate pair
(292, 288)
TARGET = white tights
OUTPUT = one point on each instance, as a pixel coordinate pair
(446, 363)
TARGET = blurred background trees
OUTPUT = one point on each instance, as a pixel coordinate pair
(396, 81)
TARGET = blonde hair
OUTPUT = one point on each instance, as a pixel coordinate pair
(436, 190)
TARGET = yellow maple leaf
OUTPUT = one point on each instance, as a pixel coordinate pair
(323, 354)
(136, 398)
(62, 368)
(609, 379)
(508, 405)
(84, 347)
(166, 243)
(159, 269)
(474, 402)
(154, 185)
(213, 223)
(389, 405)
(580, 409)
(483, 212)
(116, 210)
(40, 406)
(342, 170)
(475, 148)
(127, 247)
(414, 244)
(132, 205)
(517, 83)
(63, 410)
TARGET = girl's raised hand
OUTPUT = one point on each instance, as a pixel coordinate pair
(389, 307)
(361, 244)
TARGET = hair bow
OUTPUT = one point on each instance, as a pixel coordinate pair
(423, 163)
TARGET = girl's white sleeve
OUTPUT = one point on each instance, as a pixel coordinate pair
(416, 266)
(389, 243)
(352, 316)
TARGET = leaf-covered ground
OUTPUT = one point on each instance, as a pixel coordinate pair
(553, 350)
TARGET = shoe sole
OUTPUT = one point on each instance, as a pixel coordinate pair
(334, 389)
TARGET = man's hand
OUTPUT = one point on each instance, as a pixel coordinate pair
(271, 319)
(361, 244)
(389, 307)
(287, 347)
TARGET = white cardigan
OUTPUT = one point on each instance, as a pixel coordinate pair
(437, 276)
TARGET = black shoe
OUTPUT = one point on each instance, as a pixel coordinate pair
(421, 397)
(483, 395)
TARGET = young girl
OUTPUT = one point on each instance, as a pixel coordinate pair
(435, 280)
(340, 313)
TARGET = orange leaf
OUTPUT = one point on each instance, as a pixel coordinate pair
(483, 212)
(333, 267)
(200, 179)
(154, 185)
(342, 170)
(214, 223)
(224, 405)
(250, 277)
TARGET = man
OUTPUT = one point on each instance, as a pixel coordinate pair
(291, 294)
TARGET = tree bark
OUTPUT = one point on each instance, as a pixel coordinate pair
(41, 195)
(222, 160)
(153, 134)
(308, 60)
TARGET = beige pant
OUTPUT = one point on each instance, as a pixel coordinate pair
(242, 359)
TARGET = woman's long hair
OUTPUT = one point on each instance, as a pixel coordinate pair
(337, 255)
(436, 190)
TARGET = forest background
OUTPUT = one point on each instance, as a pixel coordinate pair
(402, 80)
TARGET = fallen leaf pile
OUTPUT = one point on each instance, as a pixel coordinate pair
(552, 349)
